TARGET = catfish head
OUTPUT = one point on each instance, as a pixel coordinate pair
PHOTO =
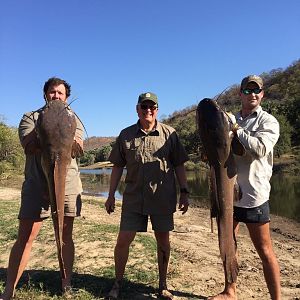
(214, 129)
(56, 130)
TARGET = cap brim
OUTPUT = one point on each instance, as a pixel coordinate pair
(144, 100)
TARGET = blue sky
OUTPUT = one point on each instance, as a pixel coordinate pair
(110, 51)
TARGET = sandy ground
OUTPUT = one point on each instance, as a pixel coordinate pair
(197, 272)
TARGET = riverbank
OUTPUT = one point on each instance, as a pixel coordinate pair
(195, 267)
(98, 165)
(286, 163)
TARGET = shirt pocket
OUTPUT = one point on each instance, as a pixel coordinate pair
(159, 148)
(133, 151)
(161, 154)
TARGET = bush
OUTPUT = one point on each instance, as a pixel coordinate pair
(11, 152)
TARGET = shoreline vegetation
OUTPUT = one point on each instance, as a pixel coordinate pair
(195, 270)
(286, 163)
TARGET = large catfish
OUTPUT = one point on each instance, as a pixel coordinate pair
(218, 141)
(56, 128)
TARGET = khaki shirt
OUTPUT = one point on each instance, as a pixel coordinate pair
(259, 134)
(35, 184)
(150, 160)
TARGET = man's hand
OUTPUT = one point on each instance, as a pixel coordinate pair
(231, 117)
(232, 122)
(110, 204)
(183, 203)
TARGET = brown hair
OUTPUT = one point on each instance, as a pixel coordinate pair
(57, 81)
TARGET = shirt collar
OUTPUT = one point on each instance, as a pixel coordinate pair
(254, 114)
(155, 130)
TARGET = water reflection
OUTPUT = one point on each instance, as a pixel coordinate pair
(96, 183)
(198, 186)
(285, 192)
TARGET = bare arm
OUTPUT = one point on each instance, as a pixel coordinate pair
(115, 177)
(31, 143)
(77, 147)
(28, 135)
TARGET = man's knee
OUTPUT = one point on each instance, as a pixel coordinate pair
(28, 231)
(124, 239)
(164, 246)
(122, 245)
(266, 253)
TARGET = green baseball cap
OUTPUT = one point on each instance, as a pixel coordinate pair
(148, 97)
(252, 78)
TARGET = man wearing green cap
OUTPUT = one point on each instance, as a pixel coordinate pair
(153, 155)
(258, 131)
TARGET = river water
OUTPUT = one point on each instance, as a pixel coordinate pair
(284, 198)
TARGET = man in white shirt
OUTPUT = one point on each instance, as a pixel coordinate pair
(258, 131)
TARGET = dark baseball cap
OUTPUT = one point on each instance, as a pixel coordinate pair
(147, 97)
(252, 78)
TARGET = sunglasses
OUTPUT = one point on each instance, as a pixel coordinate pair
(250, 91)
(145, 107)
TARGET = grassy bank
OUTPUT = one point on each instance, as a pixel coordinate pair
(94, 237)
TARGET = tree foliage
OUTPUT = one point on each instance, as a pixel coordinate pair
(11, 152)
(186, 127)
(284, 142)
(88, 158)
(103, 153)
(96, 155)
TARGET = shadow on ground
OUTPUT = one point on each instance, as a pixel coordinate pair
(97, 286)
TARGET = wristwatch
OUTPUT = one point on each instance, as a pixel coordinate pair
(184, 191)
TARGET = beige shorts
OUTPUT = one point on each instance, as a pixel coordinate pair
(132, 221)
(33, 208)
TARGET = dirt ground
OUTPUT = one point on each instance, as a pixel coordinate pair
(197, 272)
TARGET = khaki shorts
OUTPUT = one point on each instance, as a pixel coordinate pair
(131, 221)
(33, 208)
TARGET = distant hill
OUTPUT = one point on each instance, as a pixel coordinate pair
(280, 86)
(95, 142)
(281, 98)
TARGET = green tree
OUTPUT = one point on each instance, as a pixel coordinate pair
(11, 152)
(284, 142)
(103, 153)
(88, 158)
(293, 115)
(186, 127)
